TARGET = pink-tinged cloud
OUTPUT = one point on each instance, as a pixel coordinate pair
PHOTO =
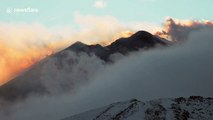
(178, 30)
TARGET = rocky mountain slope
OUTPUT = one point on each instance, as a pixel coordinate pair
(192, 108)
(139, 40)
(63, 70)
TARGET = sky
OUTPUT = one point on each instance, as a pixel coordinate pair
(28, 26)
(181, 70)
(26, 37)
(54, 13)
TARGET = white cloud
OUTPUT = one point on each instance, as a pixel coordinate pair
(149, 0)
(180, 70)
(18, 37)
(100, 4)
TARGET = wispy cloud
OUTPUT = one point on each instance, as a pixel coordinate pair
(100, 4)
(148, 0)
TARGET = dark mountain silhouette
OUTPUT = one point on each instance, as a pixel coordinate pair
(139, 40)
(31, 83)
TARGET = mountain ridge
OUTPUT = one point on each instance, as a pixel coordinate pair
(139, 40)
(193, 108)
(30, 81)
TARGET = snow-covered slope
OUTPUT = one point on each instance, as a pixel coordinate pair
(192, 108)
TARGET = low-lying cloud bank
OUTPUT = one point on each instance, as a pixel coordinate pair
(179, 70)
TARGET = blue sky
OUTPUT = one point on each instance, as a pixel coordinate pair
(63, 22)
(61, 12)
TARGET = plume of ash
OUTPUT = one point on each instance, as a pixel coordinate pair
(180, 70)
(179, 30)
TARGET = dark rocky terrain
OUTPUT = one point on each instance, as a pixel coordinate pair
(192, 108)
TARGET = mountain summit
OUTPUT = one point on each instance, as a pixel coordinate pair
(139, 40)
(39, 78)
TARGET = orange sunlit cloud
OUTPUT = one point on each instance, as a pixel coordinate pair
(178, 27)
(20, 49)
(13, 60)
(22, 44)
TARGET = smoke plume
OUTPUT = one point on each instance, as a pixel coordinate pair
(178, 30)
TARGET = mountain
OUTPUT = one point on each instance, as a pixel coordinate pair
(192, 108)
(63, 70)
(139, 40)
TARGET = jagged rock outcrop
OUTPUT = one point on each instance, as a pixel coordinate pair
(192, 108)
